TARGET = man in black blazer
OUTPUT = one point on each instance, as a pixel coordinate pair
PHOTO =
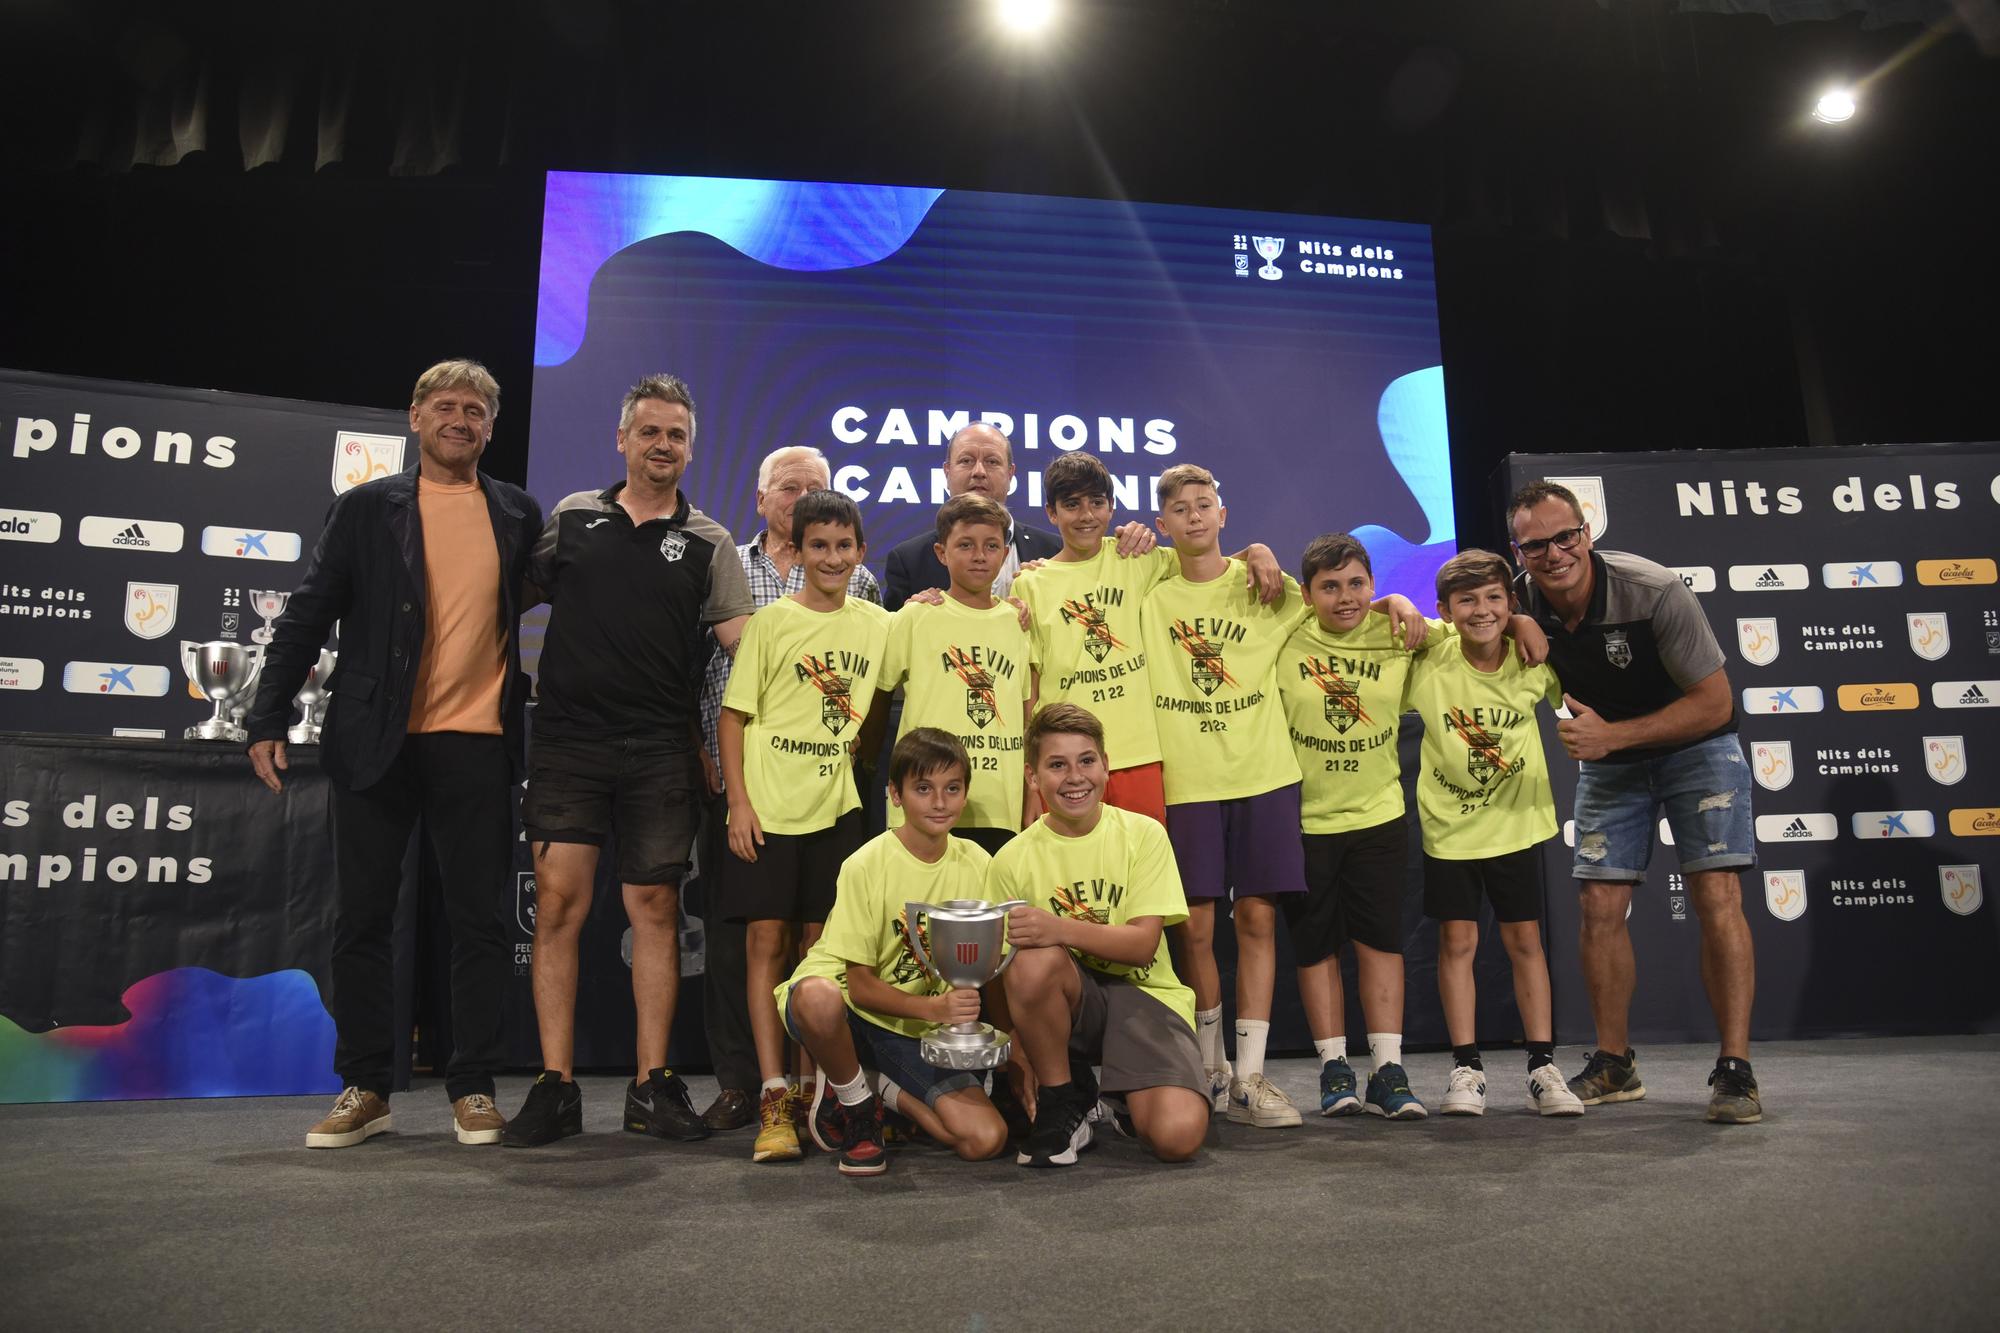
(980, 459)
(424, 572)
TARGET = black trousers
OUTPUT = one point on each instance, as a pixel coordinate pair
(459, 784)
(725, 1006)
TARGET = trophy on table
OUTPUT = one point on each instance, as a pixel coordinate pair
(312, 700)
(223, 672)
(966, 935)
(269, 604)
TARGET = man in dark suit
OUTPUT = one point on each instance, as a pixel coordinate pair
(980, 459)
(423, 571)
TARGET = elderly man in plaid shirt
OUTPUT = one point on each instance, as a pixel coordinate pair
(772, 564)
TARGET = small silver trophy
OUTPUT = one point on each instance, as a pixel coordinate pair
(1269, 248)
(223, 672)
(312, 700)
(966, 938)
(269, 604)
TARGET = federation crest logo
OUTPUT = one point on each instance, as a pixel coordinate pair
(674, 545)
(1757, 637)
(524, 901)
(1618, 648)
(359, 457)
(1589, 493)
(1944, 759)
(1930, 634)
(150, 608)
(1960, 888)
(1771, 764)
(1785, 893)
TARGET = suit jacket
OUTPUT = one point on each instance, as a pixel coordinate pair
(367, 572)
(914, 566)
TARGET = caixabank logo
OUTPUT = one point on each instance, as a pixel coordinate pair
(1781, 699)
(112, 679)
(1881, 697)
(1862, 574)
(250, 544)
(1870, 825)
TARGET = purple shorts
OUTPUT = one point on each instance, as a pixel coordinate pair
(1250, 845)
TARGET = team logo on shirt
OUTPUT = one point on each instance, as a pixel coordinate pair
(1771, 764)
(1078, 900)
(1618, 648)
(1961, 889)
(836, 705)
(1098, 640)
(1930, 634)
(1484, 759)
(1206, 667)
(674, 545)
(1343, 702)
(1944, 758)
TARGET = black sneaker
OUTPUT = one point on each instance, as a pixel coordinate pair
(861, 1152)
(1734, 1100)
(1062, 1126)
(660, 1106)
(1608, 1078)
(826, 1122)
(554, 1110)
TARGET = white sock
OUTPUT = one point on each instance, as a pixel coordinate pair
(774, 1085)
(1331, 1048)
(1251, 1034)
(1385, 1048)
(892, 1093)
(1208, 1034)
(853, 1092)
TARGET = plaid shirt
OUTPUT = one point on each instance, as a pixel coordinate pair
(766, 587)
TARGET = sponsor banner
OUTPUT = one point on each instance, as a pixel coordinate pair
(1893, 824)
(1768, 578)
(116, 679)
(1965, 693)
(1980, 823)
(130, 534)
(1862, 574)
(20, 673)
(1781, 699)
(1699, 578)
(1819, 827)
(1878, 698)
(30, 525)
(250, 543)
(1957, 573)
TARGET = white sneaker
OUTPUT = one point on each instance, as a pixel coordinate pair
(1549, 1093)
(1218, 1087)
(1260, 1102)
(1465, 1094)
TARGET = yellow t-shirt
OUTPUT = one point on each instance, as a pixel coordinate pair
(805, 679)
(1343, 697)
(1484, 786)
(868, 925)
(1089, 641)
(970, 673)
(1212, 653)
(1123, 868)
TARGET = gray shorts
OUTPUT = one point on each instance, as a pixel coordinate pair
(1139, 1042)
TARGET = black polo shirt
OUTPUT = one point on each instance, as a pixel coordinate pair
(625, 648)
(1642, 643)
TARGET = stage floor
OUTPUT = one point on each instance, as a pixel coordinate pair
(1863, 1200)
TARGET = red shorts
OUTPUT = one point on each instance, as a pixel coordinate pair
(1138, 789)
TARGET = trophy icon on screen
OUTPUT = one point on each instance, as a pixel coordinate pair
(269, 605)
(312, 700)
(225, 673)
(1269, 248)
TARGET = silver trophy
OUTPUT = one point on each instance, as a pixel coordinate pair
(966, 935)
(1269, 248)
(222, 671)
(270, 605)
(311, 700)
(239, 703)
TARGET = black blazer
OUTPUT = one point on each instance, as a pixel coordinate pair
(367, 572)
(914, 566)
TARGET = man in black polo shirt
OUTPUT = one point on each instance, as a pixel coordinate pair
(634, 575)
(1654, 726)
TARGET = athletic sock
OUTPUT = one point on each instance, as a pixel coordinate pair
(1330, 1048)
(1540, 1053)
(774, 1085)
(853, 1092)
(1385, 1048)
(1251, 1034)
(892, 1094)
(1468, 1056)
(1208, 1034)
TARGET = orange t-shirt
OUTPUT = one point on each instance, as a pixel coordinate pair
(464, 660)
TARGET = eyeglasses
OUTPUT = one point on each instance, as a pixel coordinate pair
(1565, 540)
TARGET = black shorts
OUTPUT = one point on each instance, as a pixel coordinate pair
(647, 791)
(1354, 891)
(794, 875)
(1513, 881)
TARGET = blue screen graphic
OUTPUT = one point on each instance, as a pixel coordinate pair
(1295, 357)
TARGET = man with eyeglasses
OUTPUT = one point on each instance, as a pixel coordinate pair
(1653, 725)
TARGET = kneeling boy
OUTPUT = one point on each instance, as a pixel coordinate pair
(1092, 982)
(861, 1000)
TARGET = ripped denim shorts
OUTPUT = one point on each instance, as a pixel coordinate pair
(1704, 790)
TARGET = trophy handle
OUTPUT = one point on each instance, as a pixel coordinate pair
(913, 916)
(1007, 960)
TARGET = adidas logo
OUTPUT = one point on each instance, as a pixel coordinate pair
(1770, 578)
(1973, 695)
(1797, 829)
(132, 536)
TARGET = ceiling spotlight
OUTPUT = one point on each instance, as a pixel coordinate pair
(1834, 106)
(1024, 16)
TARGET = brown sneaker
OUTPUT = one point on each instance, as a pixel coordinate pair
(353, 1118)
(732, 1108)
(476, 1119)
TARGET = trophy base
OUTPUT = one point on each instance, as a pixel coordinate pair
(212, 730)
(302, 735)
(984, 1049)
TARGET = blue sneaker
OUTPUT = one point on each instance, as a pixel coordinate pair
(1336, 1089)
(1389, 1095)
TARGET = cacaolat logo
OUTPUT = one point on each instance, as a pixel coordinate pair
(1878, 698)
(1981, 822)
(1957, 573)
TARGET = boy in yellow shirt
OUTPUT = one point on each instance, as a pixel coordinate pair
(1091, 981)
(1484, 803)
(967, 667)
(791, 723)
(860, 1001)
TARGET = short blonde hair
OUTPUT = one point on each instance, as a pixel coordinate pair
(1183, 474)
(459, 374)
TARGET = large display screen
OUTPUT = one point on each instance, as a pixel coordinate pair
(1295, 357)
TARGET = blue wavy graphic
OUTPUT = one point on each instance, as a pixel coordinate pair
(1410, 418)
(812, 227)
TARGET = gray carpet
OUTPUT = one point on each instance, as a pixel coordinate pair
(1863, 1200)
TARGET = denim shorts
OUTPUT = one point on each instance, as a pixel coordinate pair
(1705, 791)
(895, 1056)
